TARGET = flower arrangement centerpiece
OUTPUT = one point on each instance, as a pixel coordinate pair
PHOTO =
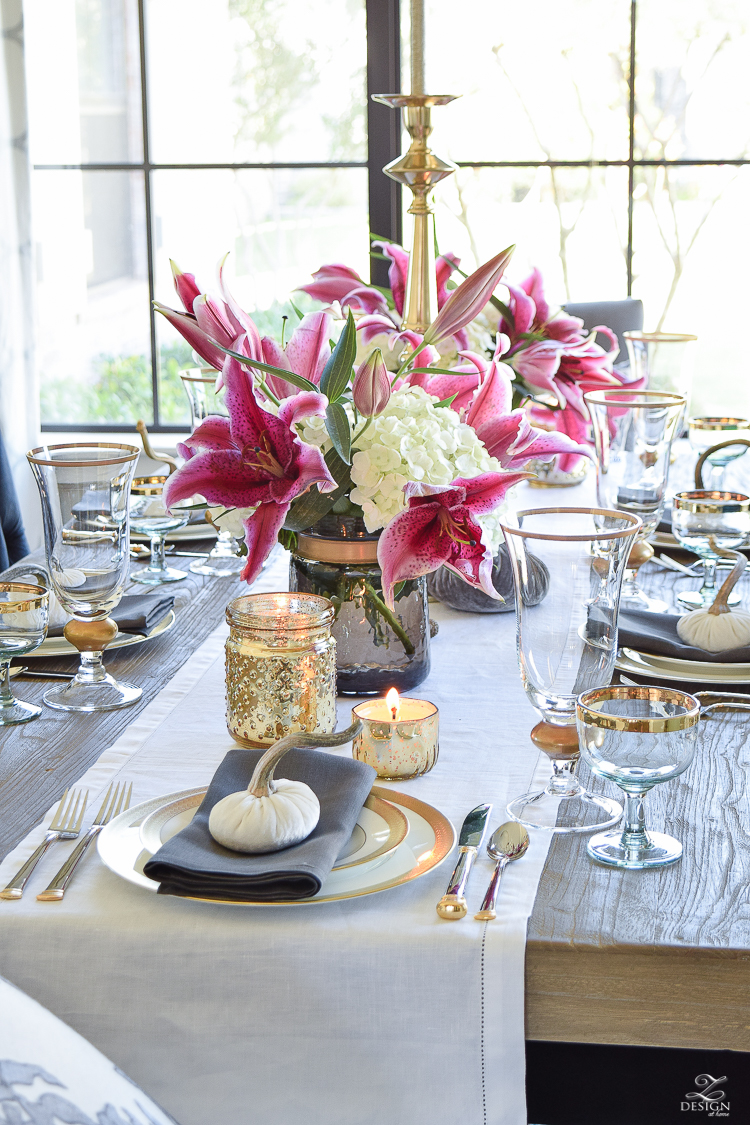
(396, 445)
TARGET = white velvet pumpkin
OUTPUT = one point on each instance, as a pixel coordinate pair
(246, 823)
(715, 632)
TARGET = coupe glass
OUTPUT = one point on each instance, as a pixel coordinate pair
(24, 610)
(664, 359)
(704, 433)
(633, 433)
(702, 519)
(637, 737)
(148, 516)
(84, 490)
(566, 644)
(224, 558)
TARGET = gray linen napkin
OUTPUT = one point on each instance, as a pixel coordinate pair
(657, 632)
(192, 863)
(136, 613)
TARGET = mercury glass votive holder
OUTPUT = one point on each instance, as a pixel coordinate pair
(280, 667)
(399, 748)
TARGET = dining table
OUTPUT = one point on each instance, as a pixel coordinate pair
(353, 1011)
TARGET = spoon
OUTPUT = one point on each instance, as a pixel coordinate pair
(508, 842)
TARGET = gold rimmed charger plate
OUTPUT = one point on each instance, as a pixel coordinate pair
(368, 841)
(683, 671)
(431, 837)
(58, 646)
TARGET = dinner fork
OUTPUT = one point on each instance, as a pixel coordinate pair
(66, 824)
(113, 804)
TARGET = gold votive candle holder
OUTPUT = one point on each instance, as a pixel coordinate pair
(280, 667)
(400, 739)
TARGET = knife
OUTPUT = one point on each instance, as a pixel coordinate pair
(452, 905)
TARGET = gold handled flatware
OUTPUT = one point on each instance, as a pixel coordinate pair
(66, 824)
(452, 905)
(508, 842)
(116, 800)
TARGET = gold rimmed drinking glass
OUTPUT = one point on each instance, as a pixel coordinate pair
(24, 612)
(566, 643)
(84, 488)
(148, 516)
(703, 520)
(637, 737)
(664, 359)
(705, 433)
(633, 434)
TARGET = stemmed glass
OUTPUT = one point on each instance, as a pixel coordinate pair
(705, 433)
(566, 644)
(148, 516)
(84, 490)
(664, 359)
(703, 520)
(24, 611)
(633, 433)
(637, 737)
(224, 558)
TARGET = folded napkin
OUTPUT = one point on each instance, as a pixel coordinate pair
(657, 632)
(136, 613)
(193, 864)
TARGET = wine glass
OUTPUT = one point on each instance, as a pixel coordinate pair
(664, 359)
(637, 737)
(633, 432)
(148, 516)
(224, 558)
(704, 433)
(24, 611)
(703, 520)
(84, 490)
(566, 644)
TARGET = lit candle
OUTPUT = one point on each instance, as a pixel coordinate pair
(417, 47)
(399, 736)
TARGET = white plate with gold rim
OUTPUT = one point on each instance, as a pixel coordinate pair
(684, 671)
(431, 837)
(58, 646)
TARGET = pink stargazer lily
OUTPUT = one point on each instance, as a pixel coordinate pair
(398, 272)
(335, 282)
(439, 528)
(468, 300)
(306, 354)
(252, 459)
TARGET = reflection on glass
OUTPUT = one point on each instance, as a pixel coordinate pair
(702, 521)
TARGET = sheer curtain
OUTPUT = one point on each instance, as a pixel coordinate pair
(19, 396)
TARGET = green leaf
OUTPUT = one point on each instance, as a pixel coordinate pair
(439, 371)
(339, 431)
(299, 314)
(446, 401)
(338, 371)
(313, 505)
(296, 380)
(507, 314)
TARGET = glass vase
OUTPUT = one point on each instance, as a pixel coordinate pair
(376, 649)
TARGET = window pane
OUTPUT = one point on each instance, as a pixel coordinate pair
(692, 92)
(540, 80)
(691, 246)
(570, 222)
(83, 67)
(280, 225)
(93, 351)
(256, 80)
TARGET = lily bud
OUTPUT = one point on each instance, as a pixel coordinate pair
(186, 286)
(371, 390)
(468, 300)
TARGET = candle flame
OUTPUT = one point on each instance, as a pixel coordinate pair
(393, 702)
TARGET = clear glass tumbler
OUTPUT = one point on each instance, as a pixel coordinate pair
(148, 516)
(84, 490)
(705, 433)
(24, 611)
(633, 433)
(702, 521)
(665, 359)
(637, 737)
(567, 643)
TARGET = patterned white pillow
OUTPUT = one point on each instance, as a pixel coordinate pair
(49, 1073)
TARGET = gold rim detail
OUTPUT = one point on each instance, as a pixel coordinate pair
(317, 549)
(717, 503)
(589, 537)
(130, 453)
(652, 398)
(587, 714)
(39, 596)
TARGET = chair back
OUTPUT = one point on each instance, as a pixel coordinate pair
(620, 316)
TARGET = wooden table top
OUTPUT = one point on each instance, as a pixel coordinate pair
(656, 958)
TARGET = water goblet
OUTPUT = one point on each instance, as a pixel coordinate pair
(148, 516)
(566, 644)
(705, 433)
(665, 360)
(24, 612)
(84, 490)
(703, 520)
(633, 433)
(637, 737)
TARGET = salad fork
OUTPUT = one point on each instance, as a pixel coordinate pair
(66, 824)
(114, 802)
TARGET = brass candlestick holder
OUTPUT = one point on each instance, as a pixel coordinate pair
(420, 170)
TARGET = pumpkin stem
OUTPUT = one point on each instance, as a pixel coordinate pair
(262, 779)
(720, 601)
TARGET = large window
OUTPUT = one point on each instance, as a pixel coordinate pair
(608, 141)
